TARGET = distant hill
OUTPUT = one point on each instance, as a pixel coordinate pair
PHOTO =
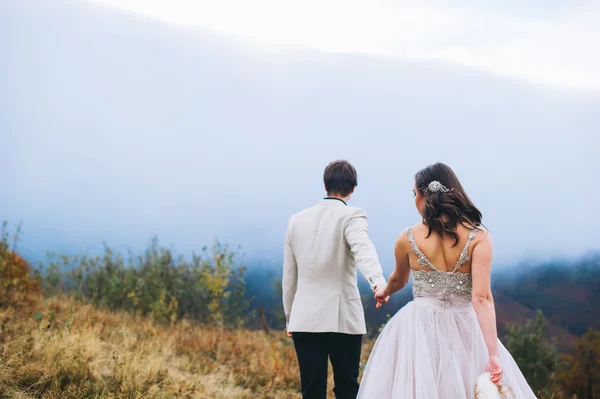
(567, 292)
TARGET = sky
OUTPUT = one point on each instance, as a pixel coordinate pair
(120, 122)
(544, 42)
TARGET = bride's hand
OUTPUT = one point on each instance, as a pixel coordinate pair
(494, 367)
(380, 297)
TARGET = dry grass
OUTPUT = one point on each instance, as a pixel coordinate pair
(78, 351)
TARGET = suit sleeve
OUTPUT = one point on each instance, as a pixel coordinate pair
(289, 282)
(356, 232)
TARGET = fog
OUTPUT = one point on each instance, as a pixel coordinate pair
(115, 127)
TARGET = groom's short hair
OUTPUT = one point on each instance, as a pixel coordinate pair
(340, 178)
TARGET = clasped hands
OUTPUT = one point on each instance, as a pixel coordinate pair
(381, 297)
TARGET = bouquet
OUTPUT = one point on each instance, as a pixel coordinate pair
(486, 389)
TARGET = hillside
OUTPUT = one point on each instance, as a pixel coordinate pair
(158, 326)
(60, 349)
(567, 292)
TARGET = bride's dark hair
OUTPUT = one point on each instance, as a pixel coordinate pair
(445, 210)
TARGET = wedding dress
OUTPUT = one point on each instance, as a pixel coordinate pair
(433, 348)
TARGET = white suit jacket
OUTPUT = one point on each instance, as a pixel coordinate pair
(324, 246)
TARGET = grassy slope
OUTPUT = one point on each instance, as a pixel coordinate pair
(110, 355)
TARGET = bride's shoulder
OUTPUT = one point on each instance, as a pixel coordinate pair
(482, 235)
(403, 238)
(416, 228)
(480, 230)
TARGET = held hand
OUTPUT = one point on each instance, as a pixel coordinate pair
(494, 367)
(381, 297)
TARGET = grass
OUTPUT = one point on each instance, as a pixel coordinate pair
(62, 349)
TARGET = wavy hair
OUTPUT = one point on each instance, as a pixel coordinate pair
(444, 211)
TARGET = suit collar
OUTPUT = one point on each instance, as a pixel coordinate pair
(332, 201)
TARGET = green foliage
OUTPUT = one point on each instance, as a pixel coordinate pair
(209, 289)
(537, 358)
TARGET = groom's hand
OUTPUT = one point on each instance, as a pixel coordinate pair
(289, 334)
(381, 297)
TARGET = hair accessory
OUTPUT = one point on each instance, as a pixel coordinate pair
(435, 187)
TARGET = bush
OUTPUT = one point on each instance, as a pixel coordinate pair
(537, 358)
(210, 289)
(581, 374)
(18, 282)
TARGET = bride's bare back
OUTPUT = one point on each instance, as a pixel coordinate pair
(442, 251)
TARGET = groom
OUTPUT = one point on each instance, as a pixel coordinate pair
(324, 246)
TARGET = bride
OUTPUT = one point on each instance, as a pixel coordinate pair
(438, 344)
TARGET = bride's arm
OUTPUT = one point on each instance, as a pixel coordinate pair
(401, 274)
(483, 301)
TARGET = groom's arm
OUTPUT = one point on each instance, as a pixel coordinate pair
(289, 282)
(356, 232)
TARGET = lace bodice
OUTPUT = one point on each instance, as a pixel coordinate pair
(437, 282)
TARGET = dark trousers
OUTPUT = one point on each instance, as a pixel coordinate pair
(313, 351)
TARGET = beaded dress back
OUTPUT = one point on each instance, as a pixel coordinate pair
(435, 282)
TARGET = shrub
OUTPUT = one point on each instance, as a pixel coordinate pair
(18, 282)
(209, 289)
(537, 358)
(581, 374)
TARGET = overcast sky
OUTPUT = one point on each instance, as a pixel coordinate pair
(194, 120)
(540, 41)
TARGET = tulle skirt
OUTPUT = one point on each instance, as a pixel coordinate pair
(433, 348)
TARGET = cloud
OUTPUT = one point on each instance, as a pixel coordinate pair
(549, 48)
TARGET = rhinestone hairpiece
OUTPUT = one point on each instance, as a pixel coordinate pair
(435, 186)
